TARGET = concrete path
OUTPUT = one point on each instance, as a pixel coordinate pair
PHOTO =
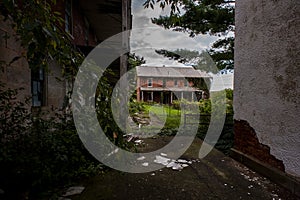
(215, 177)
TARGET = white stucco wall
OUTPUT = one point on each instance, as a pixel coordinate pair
(267, 75)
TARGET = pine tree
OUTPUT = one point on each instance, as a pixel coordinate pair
(214, 17)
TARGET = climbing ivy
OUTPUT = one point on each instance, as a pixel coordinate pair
(39, 29)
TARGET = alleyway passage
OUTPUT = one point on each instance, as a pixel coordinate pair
(215, 177)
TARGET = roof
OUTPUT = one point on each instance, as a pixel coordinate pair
(154, 71)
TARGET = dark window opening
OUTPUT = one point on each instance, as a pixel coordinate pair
(150, 96)
(38, 87)
(185, 83)
(164, 83)
(150, 82)
(68, 17)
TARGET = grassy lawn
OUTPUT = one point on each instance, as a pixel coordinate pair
(173, 121)
(162, 110)
(173, 116)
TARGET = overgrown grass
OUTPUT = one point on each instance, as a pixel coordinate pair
(174, 119)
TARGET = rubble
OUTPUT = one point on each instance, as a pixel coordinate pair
(73, 191)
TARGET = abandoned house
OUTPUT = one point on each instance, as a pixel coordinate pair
(87, 23)
(166, 84)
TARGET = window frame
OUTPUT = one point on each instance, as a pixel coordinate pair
(176, 83)
(150, 82)
(69, 16)
(38, 87)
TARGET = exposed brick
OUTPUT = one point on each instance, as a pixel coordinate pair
(247, 142)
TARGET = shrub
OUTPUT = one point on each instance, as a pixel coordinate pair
(37, 153)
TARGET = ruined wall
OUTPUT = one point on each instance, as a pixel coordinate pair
(18, 74)
(56, 87)
(266, 85)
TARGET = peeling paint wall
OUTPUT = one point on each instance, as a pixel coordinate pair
(18, 74)
(267, 76)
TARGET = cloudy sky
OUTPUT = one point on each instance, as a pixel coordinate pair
(146, 36)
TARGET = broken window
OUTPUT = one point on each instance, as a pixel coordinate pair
(68, 17)
(38, 87)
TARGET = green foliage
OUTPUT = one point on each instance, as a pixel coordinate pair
(105, 116)
(181, 55)
(199, 60)
(229, 94)
(38, 151)
(223, 53)
(41, 35)
(134, 61)
(214, 17)
(205, 104)
(136, 107)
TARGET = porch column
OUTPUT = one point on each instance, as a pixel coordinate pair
(192, 96)
(142, 95)
(181, 95)
(171, 97)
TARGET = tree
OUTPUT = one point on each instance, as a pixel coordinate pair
(199, 60)
(214, 17)
(39, 29)
(134, 61)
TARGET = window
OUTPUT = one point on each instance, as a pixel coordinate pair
(68, 17)
(175, 83)
(38, 87)
(164, 83)
(185, 83)
(150, 82)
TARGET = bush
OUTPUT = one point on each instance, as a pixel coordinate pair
(136, 107)
(37, 153)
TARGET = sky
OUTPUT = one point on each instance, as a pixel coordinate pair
(146, 37)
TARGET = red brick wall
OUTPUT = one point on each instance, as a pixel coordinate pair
(158, 82)
(79, 26)
(247, 142)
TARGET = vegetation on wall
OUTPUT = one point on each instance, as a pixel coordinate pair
(38, 151)
(39, 29)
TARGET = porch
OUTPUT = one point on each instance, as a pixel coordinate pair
(168, 95)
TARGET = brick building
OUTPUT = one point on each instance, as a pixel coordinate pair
(166, 84)
(87, 23)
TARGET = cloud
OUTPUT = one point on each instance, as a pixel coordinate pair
(146, 35)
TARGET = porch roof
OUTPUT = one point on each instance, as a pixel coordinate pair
(173, 89)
